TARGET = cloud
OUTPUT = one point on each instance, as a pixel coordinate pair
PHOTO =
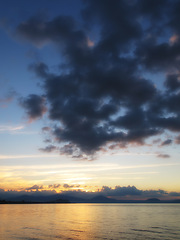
(7, 99)
(25, 156)
(161, 155)
(166, 142)
(11, 129)
(173, 39)
(54, 186)
(46, 129)
(102, 94)
(174, 194)
(177, 140)
(121, 191)
(173, 82)
(68, 186)
(35, 187)
(48, 149)
(132, 191)
(34, 106)
(117, 192)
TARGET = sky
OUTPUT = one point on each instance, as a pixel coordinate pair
(90, 97)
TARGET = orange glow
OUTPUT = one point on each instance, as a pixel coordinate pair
(90, 43)
(173, 39)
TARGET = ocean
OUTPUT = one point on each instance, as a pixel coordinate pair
(89, 221)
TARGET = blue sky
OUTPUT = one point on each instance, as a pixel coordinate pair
(89, 95)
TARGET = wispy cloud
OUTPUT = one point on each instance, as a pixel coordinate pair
(163, 155)
(25, 156)
(4, 101)
(15, 129)
(10, 128)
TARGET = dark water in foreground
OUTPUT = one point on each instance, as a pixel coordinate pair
(90, 221)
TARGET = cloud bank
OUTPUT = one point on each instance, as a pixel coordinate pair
(118, 192)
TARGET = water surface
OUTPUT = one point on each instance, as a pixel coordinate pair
(89, 221)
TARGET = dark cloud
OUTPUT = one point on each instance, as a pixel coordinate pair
(174, 194)
(118, 30)
(40, 68)
(101, 94)
(40, 32)
(161, 155)
(155, 193)
(173, 82)
(177, 140)
(174, 20)
(47, 140)
(34, 106)
(118, 192)
(166, 142)
(161, 56)
(49, 148)
(121, 191)
(153, 9)
(46, 129)
(35, 187)
(68, 149)
(54, 185)
(68, 186)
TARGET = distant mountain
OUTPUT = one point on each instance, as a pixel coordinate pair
(72, 199)
(38, 197)
(55, 198)
(153, 200)
(102, 199)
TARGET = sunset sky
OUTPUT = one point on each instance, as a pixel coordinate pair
(90, 96)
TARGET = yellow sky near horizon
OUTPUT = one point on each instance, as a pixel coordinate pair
(90, 175)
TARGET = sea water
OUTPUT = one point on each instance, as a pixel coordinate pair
(89, 221)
